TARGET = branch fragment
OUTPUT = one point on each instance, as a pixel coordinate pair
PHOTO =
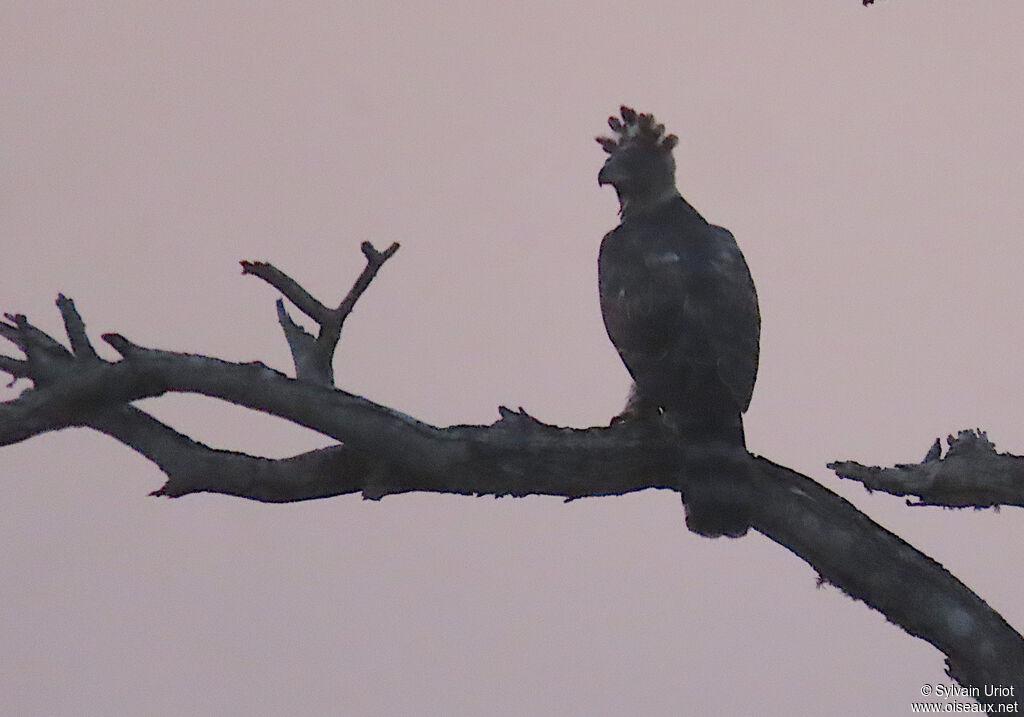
(971, 474)
(314, 357)
(81, 347)
(291, 289)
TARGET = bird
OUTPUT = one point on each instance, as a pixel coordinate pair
(681, 309)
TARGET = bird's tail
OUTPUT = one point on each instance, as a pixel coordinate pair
(716, 489)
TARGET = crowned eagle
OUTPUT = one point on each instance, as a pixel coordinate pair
(681, 309)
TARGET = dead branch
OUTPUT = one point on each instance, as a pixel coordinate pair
(386, 452)
(314, 357)
(971, 474)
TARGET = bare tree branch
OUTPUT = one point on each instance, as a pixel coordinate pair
(430, 458)
(972, 474)
(871, 564)
(313, 358)
(291, 289)
(193, 467)
(386, 452)
(190, 466)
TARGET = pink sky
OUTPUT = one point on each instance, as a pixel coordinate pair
(868, 160)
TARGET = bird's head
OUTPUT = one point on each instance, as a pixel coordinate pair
(640, 164)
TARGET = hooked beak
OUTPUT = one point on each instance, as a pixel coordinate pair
(608, 174)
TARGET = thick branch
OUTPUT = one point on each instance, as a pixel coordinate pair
(972, 474)
(519, 456)
(417, 456)
(871, 564)
(190, 466)
(194, 467)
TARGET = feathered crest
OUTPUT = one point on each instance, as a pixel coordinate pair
(636, 127)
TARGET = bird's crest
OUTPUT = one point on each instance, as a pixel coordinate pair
(636, 127)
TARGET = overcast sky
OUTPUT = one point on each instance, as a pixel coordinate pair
(868, 160)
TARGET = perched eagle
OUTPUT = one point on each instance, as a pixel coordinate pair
(680, 307)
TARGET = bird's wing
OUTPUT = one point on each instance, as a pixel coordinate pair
(733, 318)
(678, 298)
